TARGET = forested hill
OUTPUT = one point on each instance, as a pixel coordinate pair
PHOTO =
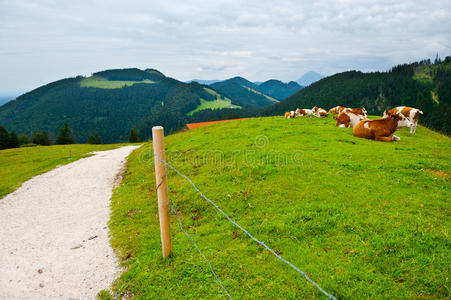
(423, 85)
(109, 103)
(278, 89)
(249, 94)
(112, 102)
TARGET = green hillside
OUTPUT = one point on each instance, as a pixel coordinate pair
(219, 102)
(363, 219)
(421, 85)
(109, 103)
(279, 90)
(102, 83)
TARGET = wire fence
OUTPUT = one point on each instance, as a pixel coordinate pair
(236, 225)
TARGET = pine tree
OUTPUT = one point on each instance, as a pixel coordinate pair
(41, 138)
(93, 139)
(13, 140)
(23, 139)
(4, 138)
(134, 136)
(65, 136)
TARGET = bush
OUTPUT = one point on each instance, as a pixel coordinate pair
(28, 145)
(134, 136)
(93, 139)
(41, 138)
(23, 139)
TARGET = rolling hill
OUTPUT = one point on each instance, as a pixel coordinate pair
(111, 102)
(6, 99)
(422, 85)
(364, 219)
(262, 94)
(278, 89)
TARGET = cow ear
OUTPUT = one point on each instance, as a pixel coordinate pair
(394, 117)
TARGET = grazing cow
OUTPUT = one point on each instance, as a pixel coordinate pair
(379, 130)
(411, 114)
(348, 119)
(290, 115)
(336, 110)
(357, 111)
(319, 112)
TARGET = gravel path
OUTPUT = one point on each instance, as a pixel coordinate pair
(54, 239)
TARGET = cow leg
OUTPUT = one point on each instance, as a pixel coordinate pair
(383, 138)
(396, 138)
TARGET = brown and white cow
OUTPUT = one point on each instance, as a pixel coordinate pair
(348, 119)
(336, 110)
(411, 114)
(300, 112)
(319, 112)
(357, 111)
(379, 130)
(290, 115)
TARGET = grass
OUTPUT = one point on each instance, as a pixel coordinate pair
(257, 92)
(102, 83)
(363, 219)
(215, 104)
(20, 164)
(424, 74)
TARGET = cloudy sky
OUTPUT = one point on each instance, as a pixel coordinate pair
(46, 40)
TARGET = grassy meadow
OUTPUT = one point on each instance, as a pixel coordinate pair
(102, 83)
(215, 104)
(20, 164)
(363, 219)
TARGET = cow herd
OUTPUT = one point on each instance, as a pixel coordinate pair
(379, 130)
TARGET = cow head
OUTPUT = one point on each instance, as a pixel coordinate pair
(402, 121)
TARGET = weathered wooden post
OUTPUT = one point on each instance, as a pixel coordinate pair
(162, 189)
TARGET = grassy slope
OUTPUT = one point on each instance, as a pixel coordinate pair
(215, 104)
(257, 92)
(363, 219)
(21, 164)
(101, 83)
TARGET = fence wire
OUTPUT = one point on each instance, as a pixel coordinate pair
(236, 225)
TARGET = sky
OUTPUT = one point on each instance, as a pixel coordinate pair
(45, 40)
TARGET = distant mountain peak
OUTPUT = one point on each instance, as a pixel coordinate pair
(309, 78)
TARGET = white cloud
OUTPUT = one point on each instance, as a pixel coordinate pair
(41, 40)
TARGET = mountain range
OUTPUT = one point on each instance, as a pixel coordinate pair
(309, 78)
(4, 99)
(111, 102)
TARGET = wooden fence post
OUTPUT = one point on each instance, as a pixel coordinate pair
(162, 191)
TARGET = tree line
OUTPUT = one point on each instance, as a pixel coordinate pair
(10, 140)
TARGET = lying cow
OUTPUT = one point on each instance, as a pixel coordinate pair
(290, 115)
(357, 111)
(336, 110)
(303, 112)
(348, 119)
(380, 130)
(319, 112)
(411, 114)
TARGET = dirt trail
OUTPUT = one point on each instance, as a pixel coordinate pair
(53, 231)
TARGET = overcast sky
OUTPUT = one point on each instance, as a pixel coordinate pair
(46, 40)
